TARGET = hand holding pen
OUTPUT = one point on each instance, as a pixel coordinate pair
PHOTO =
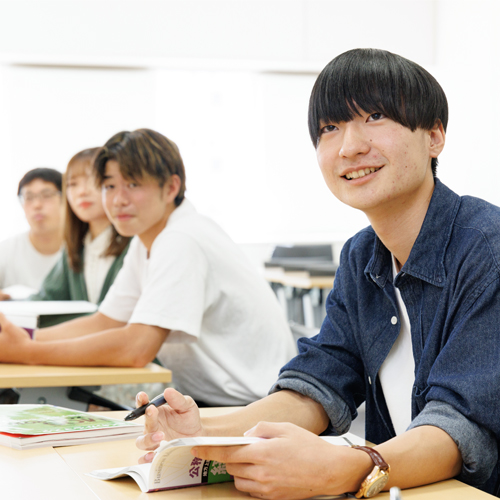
(177, 419)
(139, 412)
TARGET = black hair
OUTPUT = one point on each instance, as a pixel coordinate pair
(44, 174)
(143, 153)
(373, 81)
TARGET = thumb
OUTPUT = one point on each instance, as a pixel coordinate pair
(268, 430)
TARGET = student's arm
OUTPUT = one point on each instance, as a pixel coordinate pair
(181, 417)
(132, 345)
(78, 327)
(292, 463)
(296, 463)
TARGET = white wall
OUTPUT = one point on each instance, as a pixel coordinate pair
(229, 81)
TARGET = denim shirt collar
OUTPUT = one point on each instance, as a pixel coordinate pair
(426, 260)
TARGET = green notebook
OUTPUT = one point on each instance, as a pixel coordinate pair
(35, 426)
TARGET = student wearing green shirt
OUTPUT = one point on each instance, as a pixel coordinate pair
(94, 251)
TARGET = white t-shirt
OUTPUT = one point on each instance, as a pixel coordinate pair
(397, 373)
(95, 265)
(229, 336)
(22, 264)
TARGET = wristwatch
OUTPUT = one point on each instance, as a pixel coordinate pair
(378, 477)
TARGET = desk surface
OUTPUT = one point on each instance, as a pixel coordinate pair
(32, 474)
(65, 376)
(297, 279)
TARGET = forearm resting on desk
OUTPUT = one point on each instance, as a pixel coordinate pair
(78, 327)
(282, 406)
(132, 345)
(422, 455)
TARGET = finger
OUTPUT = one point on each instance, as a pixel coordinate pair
(141, 399)
(224, 454)
(149, 441)
(147, 458)
(270, 430)
(178, 401)
(151, 422)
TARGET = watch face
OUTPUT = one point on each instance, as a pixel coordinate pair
(376, 486)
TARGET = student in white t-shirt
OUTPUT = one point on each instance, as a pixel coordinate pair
(27, 258)
(186, 292)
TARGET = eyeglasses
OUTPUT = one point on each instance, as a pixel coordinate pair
(45, 195)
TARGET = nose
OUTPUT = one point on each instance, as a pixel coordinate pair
(119, 196)
(354, 141)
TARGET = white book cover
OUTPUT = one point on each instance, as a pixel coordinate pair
(45, 307)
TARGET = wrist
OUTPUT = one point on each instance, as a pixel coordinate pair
(363, 465)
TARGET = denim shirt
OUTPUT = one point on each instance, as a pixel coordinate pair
(450, 285)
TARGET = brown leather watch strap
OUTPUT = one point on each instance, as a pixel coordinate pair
(375, 456)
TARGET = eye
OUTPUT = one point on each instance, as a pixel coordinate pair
(133, 185)
(107, 187)
(376, 117)
(327, 128)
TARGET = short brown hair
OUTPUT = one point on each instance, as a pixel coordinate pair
(141, 154)
(75, 229)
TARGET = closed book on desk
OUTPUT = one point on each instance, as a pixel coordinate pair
(35, 426)
(175, 467)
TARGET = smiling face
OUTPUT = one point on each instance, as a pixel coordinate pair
(137, 207)
(377, 165)
(82, 193)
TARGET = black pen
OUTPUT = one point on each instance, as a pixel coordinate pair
(139, 412)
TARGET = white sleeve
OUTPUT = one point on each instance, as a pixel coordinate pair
(174, 294)
(124, 293)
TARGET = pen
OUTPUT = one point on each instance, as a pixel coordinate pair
(395, 493)
(139, 412)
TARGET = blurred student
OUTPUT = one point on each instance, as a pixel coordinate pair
(94, 251)
(26, 258)
(186, 292)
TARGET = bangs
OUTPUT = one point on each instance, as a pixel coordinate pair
(375, 81)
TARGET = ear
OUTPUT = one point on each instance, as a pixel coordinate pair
(172, 187)
(437, 137)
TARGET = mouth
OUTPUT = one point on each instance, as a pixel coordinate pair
(123, 217)
(85, 204)
(362, 172)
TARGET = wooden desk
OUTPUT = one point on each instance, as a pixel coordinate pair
(297, 279)
(51, 382)
(63, 376)
(59, 474)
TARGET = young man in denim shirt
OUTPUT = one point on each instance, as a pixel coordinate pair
(413, 317)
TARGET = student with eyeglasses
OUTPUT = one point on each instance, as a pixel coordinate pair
(27, 258)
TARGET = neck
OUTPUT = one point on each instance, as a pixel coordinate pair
(47, 243)
(399, 226)
(148, 237)
(96, 227)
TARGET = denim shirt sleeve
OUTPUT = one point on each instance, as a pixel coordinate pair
(476, 444)
(307, 385)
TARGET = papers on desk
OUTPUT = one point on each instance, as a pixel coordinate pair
(174, 467)
(46, 307)
(19, 292)
(35, 426)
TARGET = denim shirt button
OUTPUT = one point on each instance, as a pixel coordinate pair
(394, 320)
(369, 380)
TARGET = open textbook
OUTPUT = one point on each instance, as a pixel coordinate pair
(174, 467)
(33, 426)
